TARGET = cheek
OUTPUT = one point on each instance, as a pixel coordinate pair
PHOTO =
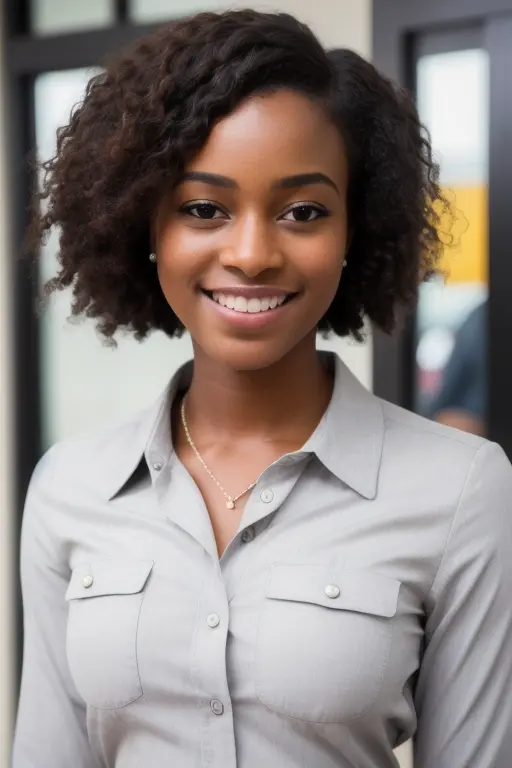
(182, 256)
(321, 261)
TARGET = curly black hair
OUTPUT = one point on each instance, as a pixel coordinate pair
(152, 109)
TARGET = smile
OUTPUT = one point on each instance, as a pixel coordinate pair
(251, 305)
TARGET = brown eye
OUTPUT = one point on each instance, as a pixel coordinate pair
(304, 213)
(204, 211)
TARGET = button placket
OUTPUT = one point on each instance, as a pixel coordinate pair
(267, 495)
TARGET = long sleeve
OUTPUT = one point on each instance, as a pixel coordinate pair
(464, 691)
(51, 724)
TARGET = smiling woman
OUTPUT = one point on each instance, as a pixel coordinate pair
(271, 565)
(259, 235)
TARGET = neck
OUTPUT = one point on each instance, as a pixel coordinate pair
(284, 401)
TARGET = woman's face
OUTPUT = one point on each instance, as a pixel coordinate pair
(250, 244)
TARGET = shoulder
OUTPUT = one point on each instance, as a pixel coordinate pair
(94, 461)
(409, 425)
(405, 425)
(442, 457)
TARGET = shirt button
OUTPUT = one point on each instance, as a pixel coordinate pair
(217, 707)
(88, 581)
(213, 620)
(248, 535)
(266, 496)
(332, 591)
(157, 466)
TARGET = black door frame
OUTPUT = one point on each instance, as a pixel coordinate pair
(396, 24)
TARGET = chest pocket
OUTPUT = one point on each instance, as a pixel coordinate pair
(323, 641)
(105, 599)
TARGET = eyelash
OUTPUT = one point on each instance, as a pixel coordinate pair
(319, 210)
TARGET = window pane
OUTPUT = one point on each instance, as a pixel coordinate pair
(453, 102)
(163, 10)
(51, 17)
(83, 382)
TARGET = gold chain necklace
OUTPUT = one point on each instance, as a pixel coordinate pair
(231, 500)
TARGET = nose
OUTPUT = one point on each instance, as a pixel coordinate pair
(252, 248)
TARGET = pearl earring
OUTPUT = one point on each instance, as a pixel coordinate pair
(345, 263)
(152, 257)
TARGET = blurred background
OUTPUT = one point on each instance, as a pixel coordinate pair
(451, 362)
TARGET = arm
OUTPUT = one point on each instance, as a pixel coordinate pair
(464, 692)
(51, 725)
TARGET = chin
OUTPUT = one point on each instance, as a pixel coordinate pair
(247, 355)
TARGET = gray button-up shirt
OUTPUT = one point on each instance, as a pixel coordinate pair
(366, 597)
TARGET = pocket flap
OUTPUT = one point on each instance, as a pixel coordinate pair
(359, 590)
(108, 577)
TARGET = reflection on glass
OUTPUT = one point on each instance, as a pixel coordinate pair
(85, 383)
(50, 17)
(453, 102)
(162, 10)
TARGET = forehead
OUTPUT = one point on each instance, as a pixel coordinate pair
(274, 135)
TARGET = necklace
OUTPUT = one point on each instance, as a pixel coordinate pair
(231, 500)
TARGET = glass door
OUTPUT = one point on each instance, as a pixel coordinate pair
(83, 381)
(450, 347)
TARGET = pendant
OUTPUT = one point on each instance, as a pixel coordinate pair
(230, 504)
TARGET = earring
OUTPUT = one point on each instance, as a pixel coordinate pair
(345, 263)
(152, 257)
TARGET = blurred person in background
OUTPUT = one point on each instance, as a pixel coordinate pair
(462, 399)
(270, 566)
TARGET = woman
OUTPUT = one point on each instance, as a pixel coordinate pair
(270, 566)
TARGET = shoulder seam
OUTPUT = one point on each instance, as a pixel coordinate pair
(425, 429)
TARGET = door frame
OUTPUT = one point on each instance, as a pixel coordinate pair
(396, 24)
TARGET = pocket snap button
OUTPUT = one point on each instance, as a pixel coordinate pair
(332, 591)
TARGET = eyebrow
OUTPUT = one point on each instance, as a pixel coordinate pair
(213, 179)
(288, 182)
(303, 180)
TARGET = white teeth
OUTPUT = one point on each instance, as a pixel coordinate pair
(240, 304)
(253, 306)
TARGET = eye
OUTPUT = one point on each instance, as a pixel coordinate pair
(203, 210)
(303, 213)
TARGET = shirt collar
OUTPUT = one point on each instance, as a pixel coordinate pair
(350, 436)
(348, 439)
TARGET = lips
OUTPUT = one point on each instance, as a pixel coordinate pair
(252, 305)
(249, 299)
